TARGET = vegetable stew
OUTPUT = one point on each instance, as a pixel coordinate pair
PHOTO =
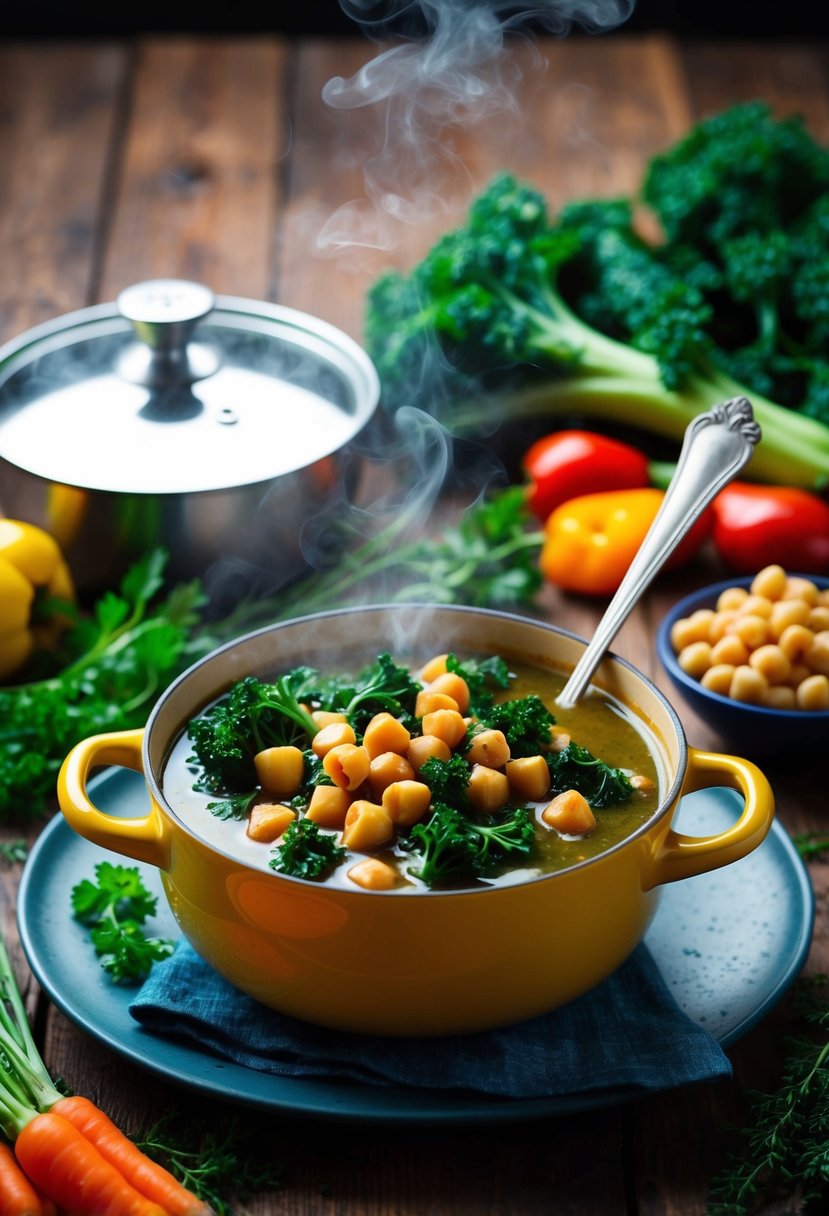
(454, 775)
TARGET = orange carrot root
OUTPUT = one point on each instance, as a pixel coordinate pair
(17, 1195)
(71, 1172)
(147, 1177)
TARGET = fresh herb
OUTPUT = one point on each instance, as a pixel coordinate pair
(524, 721)
(114, 908)
(515, 314)
(14, 851)
(254, 715)
(224, 1165)
(575, 768)
(453, 848)
(785, 1146)
(811, 844)
(115, 662)
(306, 851)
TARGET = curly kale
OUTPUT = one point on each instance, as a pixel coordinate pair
(251, 717)
(524, 721)
(517, 314)
(483, 677)
(447, 779)
(452, 848)
(306, 851)
(575, 768)
(383, 686)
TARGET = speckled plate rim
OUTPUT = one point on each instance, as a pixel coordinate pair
(64, 965)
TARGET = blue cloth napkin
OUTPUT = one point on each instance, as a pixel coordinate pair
(627, 1033)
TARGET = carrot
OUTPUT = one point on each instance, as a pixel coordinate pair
(71, 1171)
(17, 1195)
(148, 1177)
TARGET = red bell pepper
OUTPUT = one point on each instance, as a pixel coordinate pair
(760, 525)
(567, 464)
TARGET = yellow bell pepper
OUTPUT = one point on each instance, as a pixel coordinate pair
(590, 541)
(30, 563)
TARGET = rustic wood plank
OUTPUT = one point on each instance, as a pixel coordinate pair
(198, 184)
(59, 113)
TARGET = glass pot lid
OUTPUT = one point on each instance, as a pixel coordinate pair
(173, 390)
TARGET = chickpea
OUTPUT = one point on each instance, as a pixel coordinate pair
(427, 702)
(780, 696)
(487, 789)
(280, 770)
(367, 826)
(819, 618)
(328, 806)
(794, 641)
(426, 747)
(434, 668)
(447, 724)
(785, 613)
(772, 663)
(570, 814)
(529, 777)
(756, 605)
(385, 733)
(268, 821)
(387, 768)
(691, 629)
(559, 738)
(347, 765)
(816, 657)
(324, 717)
(330, 736)
(695, 659)
(454, 686)
(406, 801)
(731, 598)
(751, 629)
(770, 582)
(801, 589)
(718, 678)
(729, 649)
(813, 693)
(490, 748)
(374, 875)
(748, 685)
(721, 625)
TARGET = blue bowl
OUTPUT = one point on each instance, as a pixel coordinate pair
(752, 731)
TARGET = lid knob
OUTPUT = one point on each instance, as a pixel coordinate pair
(164, 314)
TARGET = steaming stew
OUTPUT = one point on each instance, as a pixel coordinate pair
(460, 774)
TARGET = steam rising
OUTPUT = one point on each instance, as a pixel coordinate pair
(446, 70)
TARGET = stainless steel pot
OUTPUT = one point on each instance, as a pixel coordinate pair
(215, 427)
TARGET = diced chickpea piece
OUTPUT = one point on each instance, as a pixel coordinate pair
(780, 696)
(756, 605)
(490, 748)
(454, 686)
(748, 685)
(427, 702)
(529, 777)
(347, 765)
(801, 589)
(731, 650)
(786, 613)
(279, 770)
(570, 814)
(642, 784)
(385, 733)
(374, 875)
(730, 599)
(332, 735)
(770, 582)
(559, 738)
(772, 663)
(328, 806)
(823, 597)
(816, 657)
(267, 821)
(718, 678)
(434, 668)
(695, 659)
(488, 789)
(819, 618)
(387, 768)
(794, 641)
(325, 717)
(426, 747)
(751, 629)
(367, 826)
(813, 693)
(406, 801)
(721, 625)
(693, 628)
(446, 724)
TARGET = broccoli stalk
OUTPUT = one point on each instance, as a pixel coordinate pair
(513, 315)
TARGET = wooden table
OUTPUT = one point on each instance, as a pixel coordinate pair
(217, 160)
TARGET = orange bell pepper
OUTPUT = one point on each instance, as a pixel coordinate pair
(590, 541)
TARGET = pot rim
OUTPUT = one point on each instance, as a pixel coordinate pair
(665, 806)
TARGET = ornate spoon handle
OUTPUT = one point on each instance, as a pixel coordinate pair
(716, 446)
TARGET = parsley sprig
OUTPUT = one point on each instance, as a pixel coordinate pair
(115, 908)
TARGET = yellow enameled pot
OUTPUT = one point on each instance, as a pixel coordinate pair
(430, 963)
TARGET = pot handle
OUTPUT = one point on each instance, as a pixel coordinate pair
(677, 856)
(145, 839)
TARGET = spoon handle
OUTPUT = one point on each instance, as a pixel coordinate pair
(716, 446)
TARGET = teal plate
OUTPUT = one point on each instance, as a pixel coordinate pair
(728, 944)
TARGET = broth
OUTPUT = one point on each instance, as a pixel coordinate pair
(600, 723)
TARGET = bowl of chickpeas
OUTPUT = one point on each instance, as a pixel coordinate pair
(750, 656)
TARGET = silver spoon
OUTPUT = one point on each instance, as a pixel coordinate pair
(716, 446)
